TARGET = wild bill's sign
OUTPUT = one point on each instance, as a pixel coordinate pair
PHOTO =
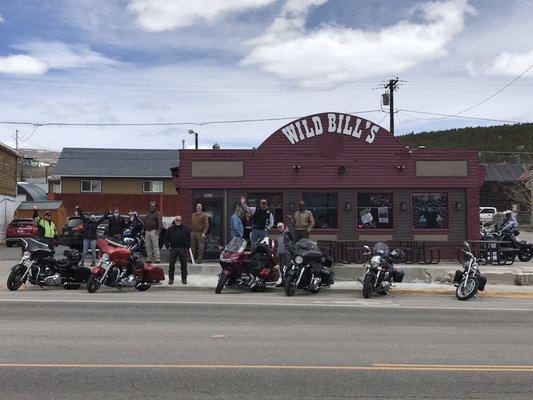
(343, 124)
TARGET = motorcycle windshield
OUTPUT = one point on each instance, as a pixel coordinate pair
(381, 249)
(237, 245)
(306, 245)
(32, 245)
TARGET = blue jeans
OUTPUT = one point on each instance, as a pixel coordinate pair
(86, 244)
(256, 236)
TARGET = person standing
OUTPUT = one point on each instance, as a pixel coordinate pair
(47, 228)
(178, 240)
(116, 225)
(153, 224)
(303, 222)
(236, 228)
(89, 235)
(199, 228)
(262, 220)
(284, 240)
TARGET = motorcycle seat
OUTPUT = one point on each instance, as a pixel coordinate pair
(64, 263)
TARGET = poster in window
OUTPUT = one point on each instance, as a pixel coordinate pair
(383, 215)
(366, 216)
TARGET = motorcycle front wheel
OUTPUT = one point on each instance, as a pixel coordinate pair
(466, 292)
(222, 280)
(93, 284)
(290, 285)
(368, 284)
(14, 280)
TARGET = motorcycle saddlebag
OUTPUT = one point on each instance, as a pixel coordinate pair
(153, 274)
(398, 275)
(458, 276)
(482, 282)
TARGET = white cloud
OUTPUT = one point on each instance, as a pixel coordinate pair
(510, 64)
(58, 55)
(162, 15)
(334, 54)
(22, 65)
(1, 19)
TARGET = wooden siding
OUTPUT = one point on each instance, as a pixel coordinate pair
(8, 170)
(116, 185)
(168, 205)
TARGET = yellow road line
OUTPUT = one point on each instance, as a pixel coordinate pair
(374, 367)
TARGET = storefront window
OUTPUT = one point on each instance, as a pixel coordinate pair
(374, 211)
(275, 203)
(324, 207)
(430, 211)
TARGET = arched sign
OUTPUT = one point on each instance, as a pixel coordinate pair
(337, 123)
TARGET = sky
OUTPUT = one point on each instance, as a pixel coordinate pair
(198, 61)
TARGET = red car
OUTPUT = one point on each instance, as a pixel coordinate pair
(20, 228)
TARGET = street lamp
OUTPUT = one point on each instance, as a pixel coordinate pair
(191, 132)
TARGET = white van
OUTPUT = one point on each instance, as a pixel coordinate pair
(486, 214)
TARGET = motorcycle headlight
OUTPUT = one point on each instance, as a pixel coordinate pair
(298, 259)
(105, 257)
(26, 255)
(375, 262)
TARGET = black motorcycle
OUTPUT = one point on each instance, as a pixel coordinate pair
(523, 250)
(380, 272)
(309, 269)
(469, 280)
(39, 267)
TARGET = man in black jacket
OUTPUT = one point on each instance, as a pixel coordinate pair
(178, 239)
(116, 225)
(89, 234)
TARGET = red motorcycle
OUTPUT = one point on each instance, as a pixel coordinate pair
(253, 270)
(120, 267)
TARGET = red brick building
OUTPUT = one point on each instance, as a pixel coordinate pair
(359, 181)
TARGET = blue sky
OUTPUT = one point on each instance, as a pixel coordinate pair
(175, 60)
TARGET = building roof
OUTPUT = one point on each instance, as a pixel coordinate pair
(32, 191)
(6, 149)
(41, 205)
(503, 172)
(117, 163)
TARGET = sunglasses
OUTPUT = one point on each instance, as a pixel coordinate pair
(178, 220)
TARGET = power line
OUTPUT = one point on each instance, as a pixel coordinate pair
(407, 111)
(215, 122)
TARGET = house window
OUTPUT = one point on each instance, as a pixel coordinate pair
(153, 186)
(374, 211)
(430, 211)
(324, 207)
(274, 200)
(91, 185)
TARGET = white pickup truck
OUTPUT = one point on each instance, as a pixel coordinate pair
(486, 214)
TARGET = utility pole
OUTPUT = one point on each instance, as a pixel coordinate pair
(191, 132)
(17, 139)
(391, 86)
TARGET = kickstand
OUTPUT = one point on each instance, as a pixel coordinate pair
(477, 297)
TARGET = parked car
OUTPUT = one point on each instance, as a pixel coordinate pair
(486, 214)
(20, 228)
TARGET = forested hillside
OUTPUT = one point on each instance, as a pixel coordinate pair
(511, 143)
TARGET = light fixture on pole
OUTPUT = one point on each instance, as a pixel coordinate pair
(191, 132)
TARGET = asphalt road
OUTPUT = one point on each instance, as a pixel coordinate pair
(56, 344)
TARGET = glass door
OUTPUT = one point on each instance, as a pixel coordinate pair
(213, 207)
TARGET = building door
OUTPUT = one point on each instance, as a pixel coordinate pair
(214, 208)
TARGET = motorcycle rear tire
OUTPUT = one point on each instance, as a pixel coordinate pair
(221, 283)
(14, 281)
(368, 284)
(463, 297)
(143, 287)
(525, 256)
(67, 286)
(93, 284)
(290, 285)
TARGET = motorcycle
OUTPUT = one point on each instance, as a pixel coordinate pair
(309, 269)
(469, 280)
(380, 272)
(39, 267)
(253, 270)
(524, 251)
(120, 267)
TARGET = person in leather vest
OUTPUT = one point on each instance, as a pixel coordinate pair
(262, 220)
